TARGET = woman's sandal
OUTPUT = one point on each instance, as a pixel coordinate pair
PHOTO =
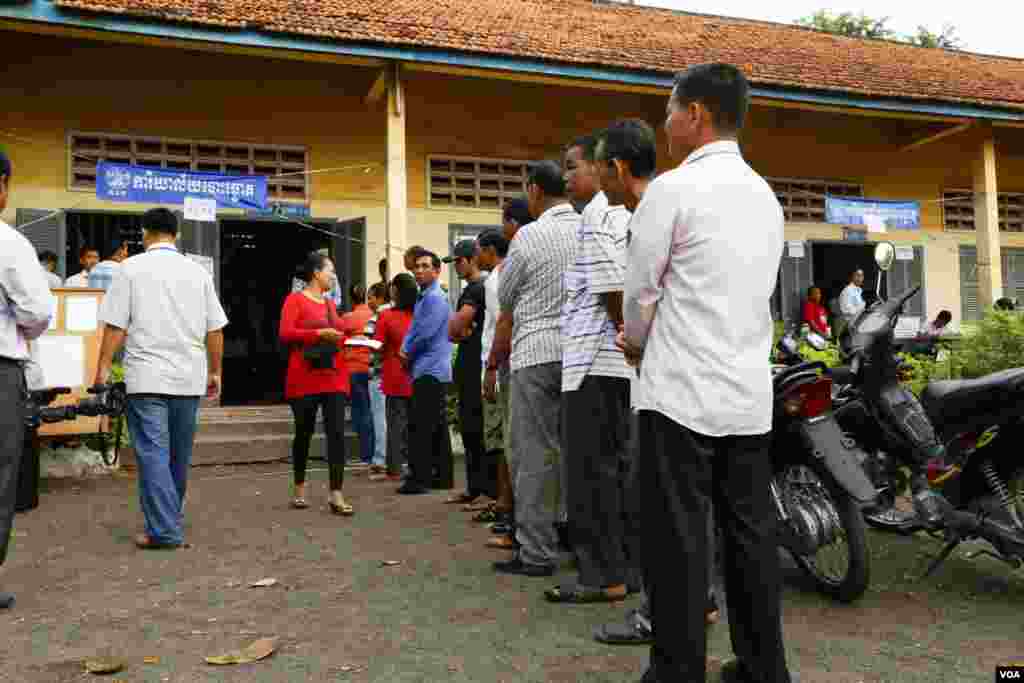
(581, 595)
(459, 499)
(503, 543)
(344, 509)
(300, 504)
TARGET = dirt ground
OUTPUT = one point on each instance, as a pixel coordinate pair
(440, 615)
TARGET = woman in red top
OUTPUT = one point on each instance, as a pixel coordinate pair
(396, 383)
(316, 377)
(815, 314)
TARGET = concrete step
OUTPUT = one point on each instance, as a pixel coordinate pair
(261, 448)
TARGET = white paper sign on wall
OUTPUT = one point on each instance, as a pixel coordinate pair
(796, 249)
(904, 253)
(200, 209)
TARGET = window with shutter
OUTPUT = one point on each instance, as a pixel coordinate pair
(958, 210)
(285, 166)
(969, 308)
(474, 183)
(46, 231)
(905, 275)
(803, 201)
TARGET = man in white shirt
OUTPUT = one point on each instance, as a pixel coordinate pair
(88, 257)
(851, 300)
(164, 308)
(48, 260)
(25, 311)
(704, 254)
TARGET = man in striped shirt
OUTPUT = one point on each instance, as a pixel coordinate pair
(595, 386)
(532, 289)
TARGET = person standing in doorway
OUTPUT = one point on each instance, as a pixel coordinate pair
(164, 309)
(88, 257)
(709, 230)
(382, 269)
(377, 299)
(316, 379)
(595, 390)
(466, 329)
(26, 312)
(396, 383)
(357, 362)
(104, 272)
(851, 301)
(48, 260)
(428, 354)
(532, 290)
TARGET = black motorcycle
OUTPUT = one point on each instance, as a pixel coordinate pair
(959, 442)
(818, 485)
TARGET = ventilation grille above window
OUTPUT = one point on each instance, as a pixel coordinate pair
(285, 167)
(958, 210)
(803, 201)
(469, 182)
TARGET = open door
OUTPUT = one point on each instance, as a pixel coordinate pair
(795, 275)
(349, 253)
(46, 230)
(195, 237)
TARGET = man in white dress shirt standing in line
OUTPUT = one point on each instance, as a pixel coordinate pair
(703, 258)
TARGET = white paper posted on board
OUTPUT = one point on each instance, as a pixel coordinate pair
(904, 253)
(62, 359)
(80, 313)
(796, 249)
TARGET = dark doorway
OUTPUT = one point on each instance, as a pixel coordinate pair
(259, 259)
(101, 230)
(834, 263)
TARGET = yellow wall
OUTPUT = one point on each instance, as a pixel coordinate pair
(52, 86)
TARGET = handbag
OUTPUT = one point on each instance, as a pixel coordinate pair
(320, 355)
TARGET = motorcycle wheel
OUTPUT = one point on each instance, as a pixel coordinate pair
(840, 567)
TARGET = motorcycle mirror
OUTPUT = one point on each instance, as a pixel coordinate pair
(885, 254)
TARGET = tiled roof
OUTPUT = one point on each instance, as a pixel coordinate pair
(601, 33)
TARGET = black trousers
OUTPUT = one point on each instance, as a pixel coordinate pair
(677, 476)
(305, 409)
(468, 378)
(430, 446)
(595, 422)
(12, 441)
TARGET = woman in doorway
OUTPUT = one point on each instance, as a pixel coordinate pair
(395, 380)
(357, 361)
(815, 314)
(316, 378)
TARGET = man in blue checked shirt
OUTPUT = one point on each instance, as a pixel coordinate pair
(427, 353)
(103, 274)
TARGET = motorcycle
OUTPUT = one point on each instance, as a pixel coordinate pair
(960, 437)
(819, 485)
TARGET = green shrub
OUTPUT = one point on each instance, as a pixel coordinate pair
(997, 343)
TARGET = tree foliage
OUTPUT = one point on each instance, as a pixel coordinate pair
(862, 26)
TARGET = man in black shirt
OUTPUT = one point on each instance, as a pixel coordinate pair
(465, 328)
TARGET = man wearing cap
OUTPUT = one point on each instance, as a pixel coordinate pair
(25, 311)
(465, 328)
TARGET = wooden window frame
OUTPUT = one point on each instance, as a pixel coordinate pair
(185, 154)
(802, 206)
(958, 211)
(508, 182)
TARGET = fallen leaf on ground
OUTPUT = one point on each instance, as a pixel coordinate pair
(390, 563)
(258, 650)
(104, 665)
(263, 583)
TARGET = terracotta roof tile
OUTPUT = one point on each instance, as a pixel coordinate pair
(621, 36)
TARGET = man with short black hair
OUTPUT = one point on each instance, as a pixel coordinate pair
(88, 257)
(710, 230)
(48, 260)
(465, 328)
(532, 290)
(428, 354)
(105, 271)
(26, 309)
(164, 309)
(595, 390)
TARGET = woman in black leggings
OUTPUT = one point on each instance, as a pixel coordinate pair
(316, 378)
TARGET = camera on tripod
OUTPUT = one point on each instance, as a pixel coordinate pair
(107, 399)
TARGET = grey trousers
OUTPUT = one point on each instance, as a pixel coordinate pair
(12, 441)
(534, 460)
(397, 408)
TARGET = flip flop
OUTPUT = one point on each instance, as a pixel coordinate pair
(144, 542)
(459, 499)
(503, 543)
(300, 504)
(576, 594)
(345, 510)
(479, 504)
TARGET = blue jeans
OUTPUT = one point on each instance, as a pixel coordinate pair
(378, 407)
(163, 429)
(362, 420)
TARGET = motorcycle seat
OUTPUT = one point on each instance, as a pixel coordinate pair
(949, 399)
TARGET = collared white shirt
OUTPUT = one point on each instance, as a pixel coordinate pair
(26, 304)
(532, 285)
(702, 265)
(851, 302)
(53, 279)
(491, 312)
(168, 304)
(588, 333)
(79, 279)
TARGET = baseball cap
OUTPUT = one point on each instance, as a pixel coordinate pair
(463, 249)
